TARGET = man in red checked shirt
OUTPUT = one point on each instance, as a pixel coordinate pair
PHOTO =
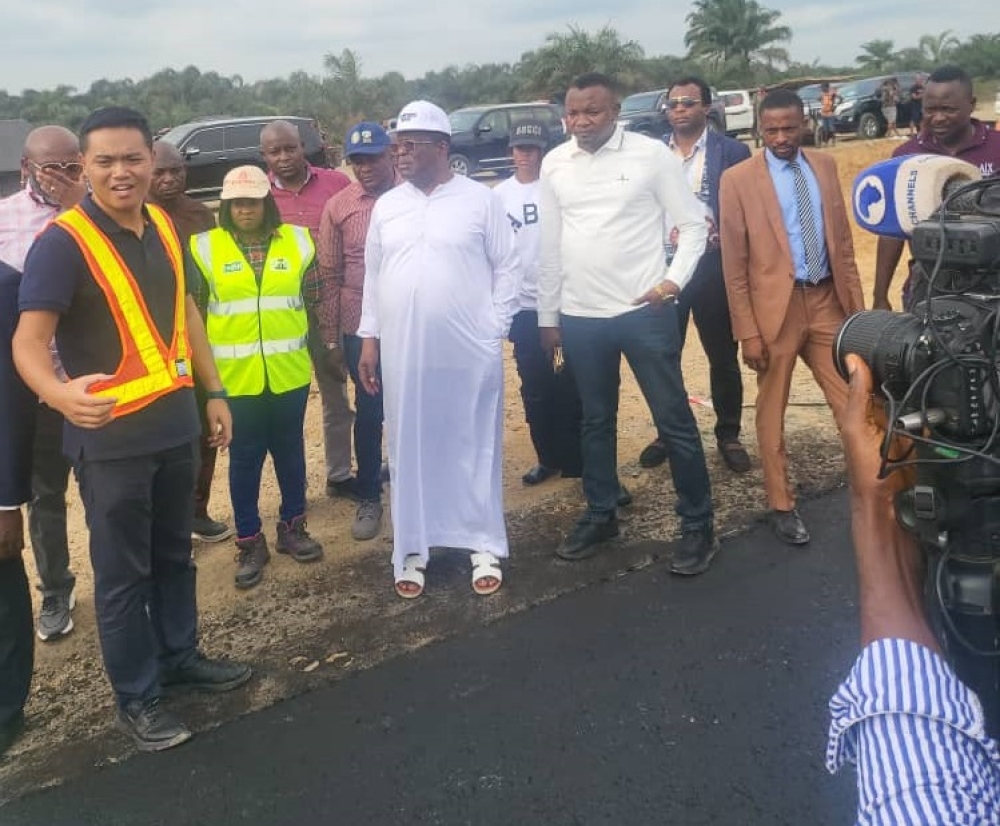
(340, 254)
(301, 192)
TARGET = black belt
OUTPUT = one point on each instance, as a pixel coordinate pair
(809, 285)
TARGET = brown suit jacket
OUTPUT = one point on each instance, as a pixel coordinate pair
(756, 257)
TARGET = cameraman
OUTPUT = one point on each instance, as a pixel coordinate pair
(914, 730)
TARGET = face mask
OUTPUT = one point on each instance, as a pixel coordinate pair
(40, 194)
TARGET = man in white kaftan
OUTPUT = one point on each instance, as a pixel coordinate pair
(441, 287)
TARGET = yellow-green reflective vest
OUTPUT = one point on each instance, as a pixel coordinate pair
(258, 334)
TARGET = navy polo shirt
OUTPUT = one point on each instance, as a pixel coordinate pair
(57, 279)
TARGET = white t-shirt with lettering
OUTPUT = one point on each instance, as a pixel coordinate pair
(520, 202)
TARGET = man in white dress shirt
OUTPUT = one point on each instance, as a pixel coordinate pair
(605, 290)
(441, 286)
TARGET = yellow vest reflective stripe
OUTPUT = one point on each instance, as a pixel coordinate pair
(148, 368)
(258, 333)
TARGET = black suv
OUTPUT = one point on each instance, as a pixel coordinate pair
(213, 146)
(646, 112)
(860, 111)
(480, 134)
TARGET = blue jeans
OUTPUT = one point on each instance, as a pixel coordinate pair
(268, 423)
(649, 339)
(367, 426)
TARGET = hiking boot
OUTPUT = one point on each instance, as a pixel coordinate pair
(294, 540)
(251, 558)
(151, 726)
(206, 529)
(55, 619)
(204, 674)
(367, 520)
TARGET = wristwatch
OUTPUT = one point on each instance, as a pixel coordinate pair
(216, 394)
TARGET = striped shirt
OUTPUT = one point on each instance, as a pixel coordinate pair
(916, 734)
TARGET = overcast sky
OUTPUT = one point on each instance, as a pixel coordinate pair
(44, 43)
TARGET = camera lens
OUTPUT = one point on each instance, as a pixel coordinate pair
(887, 342)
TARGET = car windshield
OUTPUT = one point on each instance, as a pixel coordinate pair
(640, 102)
(810, 93)
(462, 120)
(850, 90)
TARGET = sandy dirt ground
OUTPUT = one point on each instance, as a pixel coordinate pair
(307, 624)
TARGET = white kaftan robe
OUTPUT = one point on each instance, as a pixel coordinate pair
(441, 283)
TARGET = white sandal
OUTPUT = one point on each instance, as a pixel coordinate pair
(412, 574)
(485, 565)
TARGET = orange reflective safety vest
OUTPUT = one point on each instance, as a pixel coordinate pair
(148, 368)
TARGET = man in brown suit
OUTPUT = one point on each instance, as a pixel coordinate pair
(791, 280)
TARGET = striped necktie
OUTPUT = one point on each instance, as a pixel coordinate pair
(807, 225)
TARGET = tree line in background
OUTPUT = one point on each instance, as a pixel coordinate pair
(733, 43)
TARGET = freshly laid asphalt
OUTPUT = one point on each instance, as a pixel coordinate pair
(643, 699)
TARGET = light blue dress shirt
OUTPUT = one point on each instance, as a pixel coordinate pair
(784, 185)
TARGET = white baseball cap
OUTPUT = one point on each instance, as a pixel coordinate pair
(423, 116)
(244, 182)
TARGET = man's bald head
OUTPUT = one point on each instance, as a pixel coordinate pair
(281, 130)
(169, 173)
(166, 154)
(51, 144)
(281, 146)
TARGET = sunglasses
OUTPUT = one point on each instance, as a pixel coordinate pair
(72, 169)
(409, 145)
(687, 103)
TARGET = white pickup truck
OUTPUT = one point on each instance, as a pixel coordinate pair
(739, 112)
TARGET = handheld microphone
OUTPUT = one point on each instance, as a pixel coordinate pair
(891, 197)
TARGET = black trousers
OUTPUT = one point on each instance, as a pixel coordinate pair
(50, 471)
(704, 299)
(139, 511)
(17, 639)
(551, 401)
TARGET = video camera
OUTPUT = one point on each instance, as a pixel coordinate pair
(937, 368)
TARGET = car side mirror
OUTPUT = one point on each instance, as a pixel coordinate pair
(191, 151)
(486, 128)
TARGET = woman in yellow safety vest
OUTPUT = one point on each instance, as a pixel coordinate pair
(254, 267)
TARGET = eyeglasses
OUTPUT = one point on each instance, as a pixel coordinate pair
(70, 169)
(687, 103)
(410, 145)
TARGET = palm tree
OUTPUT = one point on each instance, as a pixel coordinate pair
(735, 32)
(550, 70)
(876, 55)
(937, 48)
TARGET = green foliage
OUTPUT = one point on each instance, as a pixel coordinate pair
(733, 43)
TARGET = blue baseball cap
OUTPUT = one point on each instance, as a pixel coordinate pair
(366, 138)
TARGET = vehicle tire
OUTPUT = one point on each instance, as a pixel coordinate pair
(461, 165)
(869, 127)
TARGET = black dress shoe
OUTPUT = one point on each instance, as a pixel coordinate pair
(653, 455)
(538, 474)
(695, 553)
(204, 674)
(624, 497)
(585, 539)
(10, 731)
(735, 456)
(789, 527)
(344, 489)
